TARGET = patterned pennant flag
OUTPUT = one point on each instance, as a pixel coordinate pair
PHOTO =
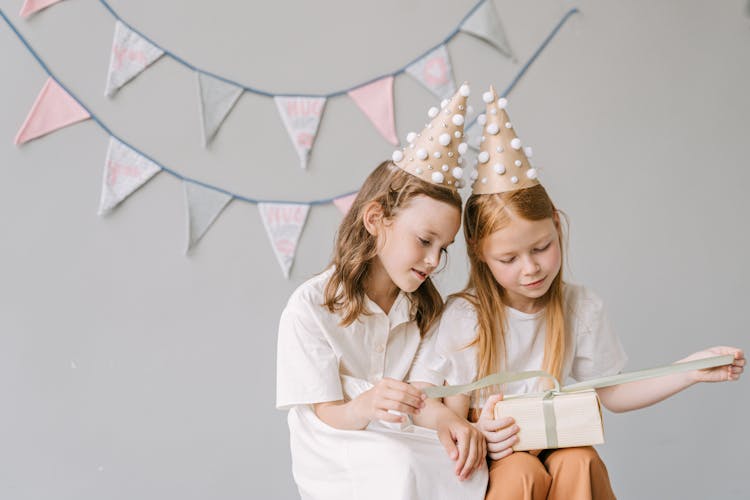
(53, 109)
(283, 223)
(434, 71)
(124, 171)
(31, 6)
(344, 203)
(484, 23)
(131, 54)
(301, 116)
(204, 206)
(376, 101)
(217, 100)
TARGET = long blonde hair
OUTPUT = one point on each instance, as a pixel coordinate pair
(355, 247)
(485, 214)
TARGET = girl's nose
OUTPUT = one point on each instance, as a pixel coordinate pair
(432, 258)
(531, 266)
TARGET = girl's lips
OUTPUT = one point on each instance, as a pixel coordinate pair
(420, 275)
(534, 284)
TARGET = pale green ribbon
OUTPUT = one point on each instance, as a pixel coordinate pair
(597, 383)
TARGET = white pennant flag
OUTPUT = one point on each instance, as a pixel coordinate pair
(301, 116)
(283, 223)
(484, 23)
(124, 171)
(131, 54)
(217, 100)
(204, 206)
(434, 71)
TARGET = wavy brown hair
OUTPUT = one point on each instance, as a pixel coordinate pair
(485, 214)
(355, 247)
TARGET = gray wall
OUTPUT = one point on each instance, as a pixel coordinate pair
(128, 370)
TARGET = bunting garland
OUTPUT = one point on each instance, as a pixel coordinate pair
(126, 169)
(31, 6)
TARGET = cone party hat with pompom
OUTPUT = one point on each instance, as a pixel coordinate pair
(435, 154)
(503, 163)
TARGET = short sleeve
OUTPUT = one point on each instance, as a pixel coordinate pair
(307, 368)
(446, 356)
(598, 351)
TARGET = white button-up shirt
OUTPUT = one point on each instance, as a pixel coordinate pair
(315, 351)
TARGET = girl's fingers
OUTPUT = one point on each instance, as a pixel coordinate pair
(405, 397)
(404, 387)
(495, 425)
(501, 455)
(389, 404)
(389, 417)
(500, 446)
(501, 435)
(450, 447)
(488, 411)
(468, 465)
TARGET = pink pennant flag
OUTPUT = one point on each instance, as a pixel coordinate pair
(53, 109)
(301, 116)
(283, 223)
(376, 101)
(344, 203)
(31, 6)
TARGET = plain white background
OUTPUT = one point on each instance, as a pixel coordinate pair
(128, 370)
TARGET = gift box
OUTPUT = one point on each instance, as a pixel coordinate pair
(554, 419)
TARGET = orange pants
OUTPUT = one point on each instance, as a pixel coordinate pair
(564, 474)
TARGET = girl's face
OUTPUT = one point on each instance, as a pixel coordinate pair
(524, 257)
(411, 243)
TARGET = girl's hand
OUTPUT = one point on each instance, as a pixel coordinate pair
(720, 373)
(388, 394)
(464, 443)
(499, 433)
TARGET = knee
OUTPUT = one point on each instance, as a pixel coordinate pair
(516, 473)
(584, 457)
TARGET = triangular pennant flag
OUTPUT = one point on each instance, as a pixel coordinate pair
(204, 206)
(344, 203)
(217, 100)
(131, 54)
(31, 6)
(301, 116)
(484, 23)
(53, 109)
(125, 171)
(283, 223)
(434, 71)
(376, 101)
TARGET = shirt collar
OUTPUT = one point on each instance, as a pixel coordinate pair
(400, 310)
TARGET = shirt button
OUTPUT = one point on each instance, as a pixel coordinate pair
(379, 348)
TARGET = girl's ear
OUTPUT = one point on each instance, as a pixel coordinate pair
(372, 217)
(556, 219)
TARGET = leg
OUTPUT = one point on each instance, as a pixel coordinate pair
(519, 476)
(577, 473)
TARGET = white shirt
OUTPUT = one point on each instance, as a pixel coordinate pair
(593, 348)
(315, 351)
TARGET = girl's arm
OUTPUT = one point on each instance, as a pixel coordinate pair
(387, 394)
(463, 442)
(635, 395)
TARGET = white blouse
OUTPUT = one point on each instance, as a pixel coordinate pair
(594, 349)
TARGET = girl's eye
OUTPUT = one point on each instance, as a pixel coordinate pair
(509, 260)
(545, 247)
(424, 242)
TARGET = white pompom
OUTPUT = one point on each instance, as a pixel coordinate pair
(444, 103)
(531, 173)
(458, 172)
(474, 174)
(484, 180)
(502, 103)
(411, 137)
(482, 119)
(493, 111)
(493, 129)
(514, 179)
(508, 125)
(445, 168)
(499, 168)
(518, 163)
(422, 154)
(499, 149)
(529, 152)
(458, 120)
(397, 155)
(462, 148)
(515, 143)
(419, 171)
(457, 134)
(483, 157)
(465, 90)
(444, 139)
(433, 112)
(437, 154)
(438, 177)
(488, 97)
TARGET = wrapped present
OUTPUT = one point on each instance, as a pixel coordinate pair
(554, 420)
(568, 416)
